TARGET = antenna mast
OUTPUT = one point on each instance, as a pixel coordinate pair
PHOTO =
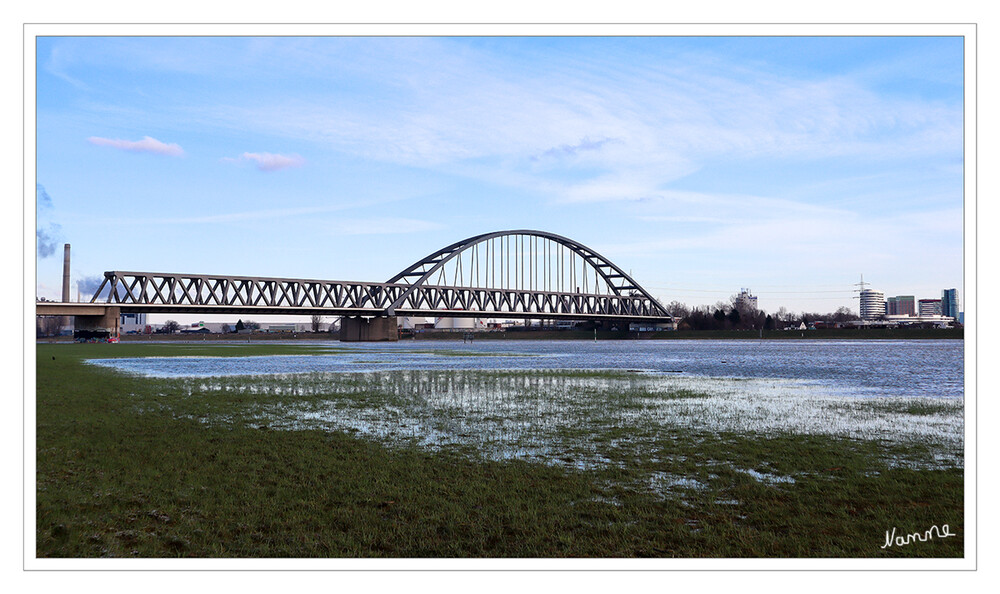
(861, 284)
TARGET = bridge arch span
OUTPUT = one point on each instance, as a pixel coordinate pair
(524, 259)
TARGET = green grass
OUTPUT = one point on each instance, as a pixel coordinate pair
(129, 466)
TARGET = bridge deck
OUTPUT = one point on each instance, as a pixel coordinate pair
(170, 293)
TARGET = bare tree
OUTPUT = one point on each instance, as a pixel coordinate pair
(678, 309)
(316, 321)
(171, 326)
(844, 314)
(49, 325)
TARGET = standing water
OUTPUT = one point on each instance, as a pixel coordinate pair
(568, 402)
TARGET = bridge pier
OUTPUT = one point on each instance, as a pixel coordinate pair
(358, 329)
(88, 326)
(90, 320)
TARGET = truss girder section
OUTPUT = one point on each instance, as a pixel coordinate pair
(131, 288)
(441, 300)
(180, 292)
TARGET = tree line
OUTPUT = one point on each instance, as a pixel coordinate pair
(739, 314)
(172, 326)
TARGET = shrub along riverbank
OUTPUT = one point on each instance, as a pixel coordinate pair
(131, 466)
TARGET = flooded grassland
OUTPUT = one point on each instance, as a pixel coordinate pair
(490, 451)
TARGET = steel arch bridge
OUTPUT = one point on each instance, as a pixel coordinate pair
(520, 274)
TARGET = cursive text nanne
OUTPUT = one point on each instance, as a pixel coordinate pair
(905, 539)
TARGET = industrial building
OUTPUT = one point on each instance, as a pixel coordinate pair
(133, 323)
(928, 320)
(459, 324)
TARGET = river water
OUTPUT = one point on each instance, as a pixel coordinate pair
(907, 368)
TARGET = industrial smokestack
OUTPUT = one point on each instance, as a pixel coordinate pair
(67, 320)
(65, 291)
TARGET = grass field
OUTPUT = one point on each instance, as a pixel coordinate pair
(470, 464)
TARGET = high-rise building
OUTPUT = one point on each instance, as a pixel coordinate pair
(745, 300)
(872, 304)
(929, 307)
(902, 305)
(949, 303)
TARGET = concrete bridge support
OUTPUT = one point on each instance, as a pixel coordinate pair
(109, 321)
(89, 318)
(357, 329)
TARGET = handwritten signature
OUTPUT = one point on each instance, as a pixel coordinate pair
(905, 539)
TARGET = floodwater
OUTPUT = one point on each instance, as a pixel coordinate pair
(574, 402)
(916, 368)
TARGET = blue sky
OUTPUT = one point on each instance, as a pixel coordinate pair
(702, 165)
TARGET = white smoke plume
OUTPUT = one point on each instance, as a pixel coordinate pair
(47, 233)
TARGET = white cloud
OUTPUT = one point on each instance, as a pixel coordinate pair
(270, 161)
(146, 145)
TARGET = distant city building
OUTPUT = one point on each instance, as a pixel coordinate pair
(949, 303)
(872, 304)
(903, 321)
(407, 323)
(134, 323)
(902, 305)
(133, 318)
(745, 300)
(458, 324)
(929, 307)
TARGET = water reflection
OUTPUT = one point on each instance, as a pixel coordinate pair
(924, 368)
(544, 401)
(575, 418)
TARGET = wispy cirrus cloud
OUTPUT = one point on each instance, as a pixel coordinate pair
(255, 215)
(542, 127)
(148, 144)
(382, 226)
(268, 161)
(571, 150)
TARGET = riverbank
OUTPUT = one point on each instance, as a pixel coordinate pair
(823, 334)
(131, 466)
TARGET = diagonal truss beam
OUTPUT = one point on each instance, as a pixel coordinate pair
(162, 292)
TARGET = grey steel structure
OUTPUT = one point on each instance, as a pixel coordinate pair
(506, 274)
